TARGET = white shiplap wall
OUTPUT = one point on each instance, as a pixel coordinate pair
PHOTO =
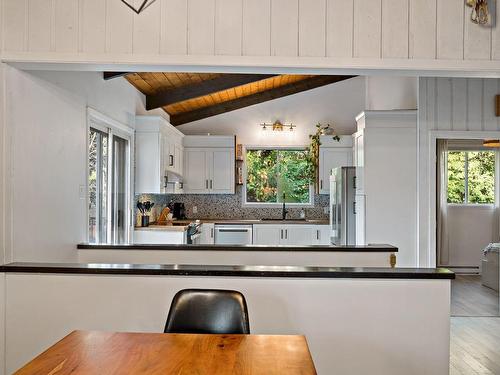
(459, 104)
(448, 104)
(387, 31)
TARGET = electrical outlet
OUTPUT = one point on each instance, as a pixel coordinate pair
(82, 191)
(195, 209)
(326, 209)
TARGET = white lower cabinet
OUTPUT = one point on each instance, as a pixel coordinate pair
(291, 234)
(267, 234)
(159, 236)
(321, 235)
(207, 234)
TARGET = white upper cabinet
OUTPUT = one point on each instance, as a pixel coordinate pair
(333, 154)
(195, 172)
(209, 165)
(158, 154)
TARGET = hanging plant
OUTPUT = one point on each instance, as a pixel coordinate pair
(313, 151)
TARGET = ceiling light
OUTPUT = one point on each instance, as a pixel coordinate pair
(278, 126)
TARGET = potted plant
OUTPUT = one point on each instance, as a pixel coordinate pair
(313, 151)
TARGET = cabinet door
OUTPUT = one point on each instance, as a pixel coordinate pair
(222, 171)
(267, 234)
(148, 163)
(207, 234)
(195, 176)
(330, 158)
(177, 158)
(359, 161)
(298, 234)
(321, 235)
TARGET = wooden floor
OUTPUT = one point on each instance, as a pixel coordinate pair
(475, 346)
(470, 298)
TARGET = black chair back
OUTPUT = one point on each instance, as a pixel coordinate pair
(208, 311)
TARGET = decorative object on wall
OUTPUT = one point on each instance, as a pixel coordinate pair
(313, 151)
(278, 126)
(497, 105)
(493, 143)
(145, 4)
(480, 13)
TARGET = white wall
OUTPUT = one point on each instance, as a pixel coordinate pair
(391, 92)
(46, 117)
(353, 326)
(351, 34)
(457, 106)
(336, 104)
(470, 230)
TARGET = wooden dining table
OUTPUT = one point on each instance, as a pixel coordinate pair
(96, 352)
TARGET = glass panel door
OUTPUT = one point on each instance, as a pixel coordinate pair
(119, 191)
(98, 185)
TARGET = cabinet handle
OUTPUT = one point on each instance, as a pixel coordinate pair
(321, 184)
(206, 184)
(354, 208)
(281, 234)
(354, 182)
(210, 184)
(170, 160)
(317, 234)
(211, 232)
(166, 181)
(286, 234)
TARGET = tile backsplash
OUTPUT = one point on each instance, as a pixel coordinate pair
(229, 206)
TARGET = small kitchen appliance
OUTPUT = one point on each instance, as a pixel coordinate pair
(179, 211)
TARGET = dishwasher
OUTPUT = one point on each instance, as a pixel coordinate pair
(233, 234)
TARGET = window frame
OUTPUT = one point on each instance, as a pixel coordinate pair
(98, 121)
(466, 202)
(309, 204)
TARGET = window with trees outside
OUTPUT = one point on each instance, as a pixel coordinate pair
(274, 176)
(471, 177)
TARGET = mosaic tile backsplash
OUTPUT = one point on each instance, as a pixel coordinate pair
(229, 206)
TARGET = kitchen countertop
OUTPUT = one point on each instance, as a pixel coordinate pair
(255, 221)
(170, 228)
(218, 247)
(230, 271)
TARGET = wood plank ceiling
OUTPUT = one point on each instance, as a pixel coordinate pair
(188, 97)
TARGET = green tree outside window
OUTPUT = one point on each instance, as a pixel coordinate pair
(274, 172)
(471, 177)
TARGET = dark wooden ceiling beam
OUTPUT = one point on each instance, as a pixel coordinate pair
(245, 101)
(207, 87)
(111, 75)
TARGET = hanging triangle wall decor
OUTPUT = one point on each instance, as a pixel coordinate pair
(144, 5)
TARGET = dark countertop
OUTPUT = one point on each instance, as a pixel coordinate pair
(183, 247)
(229, 271)
(257, 221)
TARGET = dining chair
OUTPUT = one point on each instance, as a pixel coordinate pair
(208, 311)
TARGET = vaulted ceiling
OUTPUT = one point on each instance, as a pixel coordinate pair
(188, 97)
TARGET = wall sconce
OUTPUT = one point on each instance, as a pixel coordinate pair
(278, 126)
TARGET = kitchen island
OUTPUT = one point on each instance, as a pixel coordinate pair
(285, 255)
(381, 315)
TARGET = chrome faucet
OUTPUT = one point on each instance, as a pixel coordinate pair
(284, 211)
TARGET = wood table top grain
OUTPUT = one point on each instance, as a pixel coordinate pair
(95, 352)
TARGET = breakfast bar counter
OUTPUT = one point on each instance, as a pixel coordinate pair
(381, 314)
(261, 255)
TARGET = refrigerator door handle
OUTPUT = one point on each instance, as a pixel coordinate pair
(354, 207)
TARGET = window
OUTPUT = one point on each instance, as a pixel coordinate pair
(108, 182)
(471, 177)
(277, 175)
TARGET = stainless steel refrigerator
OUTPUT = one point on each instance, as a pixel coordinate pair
(343, 206)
